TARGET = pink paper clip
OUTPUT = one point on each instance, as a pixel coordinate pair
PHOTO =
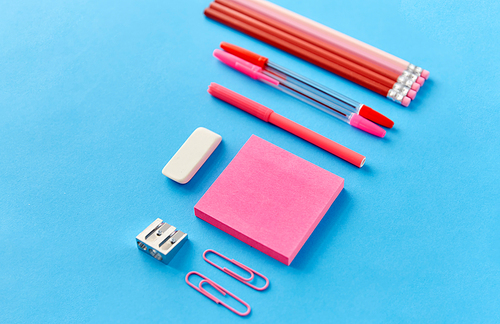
(220, 289)
(233, 274)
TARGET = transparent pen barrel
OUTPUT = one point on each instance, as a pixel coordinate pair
(314, 87)
(311, 98)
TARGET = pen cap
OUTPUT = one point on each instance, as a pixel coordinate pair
(237, 63)
(245, 54)
(375, 116)
(239, 101)
(366, 125)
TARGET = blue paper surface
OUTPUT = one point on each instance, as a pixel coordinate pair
(96, 96)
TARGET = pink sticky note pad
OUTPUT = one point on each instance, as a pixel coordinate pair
(270, 199)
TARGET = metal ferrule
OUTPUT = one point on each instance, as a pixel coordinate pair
(409, 76)
(401, 88)
(405, 81)
(417, 70)
(395, 96)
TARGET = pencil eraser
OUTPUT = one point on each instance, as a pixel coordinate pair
(190, 157)
(270, 199)
(420, 81)
(412, 94)
(415, 86)
(406, 101)
(425, 74)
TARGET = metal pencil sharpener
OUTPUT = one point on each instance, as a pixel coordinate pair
(161, 240)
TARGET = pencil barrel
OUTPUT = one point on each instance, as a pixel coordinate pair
(286, 46)
(323, 48)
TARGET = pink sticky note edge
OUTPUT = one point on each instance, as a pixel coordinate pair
(270, 199)
(242, 237)
(312, 228)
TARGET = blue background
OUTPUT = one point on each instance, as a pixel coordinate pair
(96, 96)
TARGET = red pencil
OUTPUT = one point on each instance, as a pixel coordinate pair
(286, 46)
(304, 45)
(342, 54)
(323, 48)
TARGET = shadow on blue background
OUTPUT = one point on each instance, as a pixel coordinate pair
(325, 233)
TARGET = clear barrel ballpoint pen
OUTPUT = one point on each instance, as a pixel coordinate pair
(301, 82)
(283, 84)
(314, 97)
(305, 83)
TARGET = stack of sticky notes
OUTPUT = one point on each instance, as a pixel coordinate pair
(270, 199)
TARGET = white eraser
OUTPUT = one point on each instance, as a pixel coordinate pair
(191, 156)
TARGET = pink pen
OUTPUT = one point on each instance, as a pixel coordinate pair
(269, 116)
(255, 72)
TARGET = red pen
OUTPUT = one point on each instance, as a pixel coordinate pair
(329, 96)
(292, 89)
(269, 116)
